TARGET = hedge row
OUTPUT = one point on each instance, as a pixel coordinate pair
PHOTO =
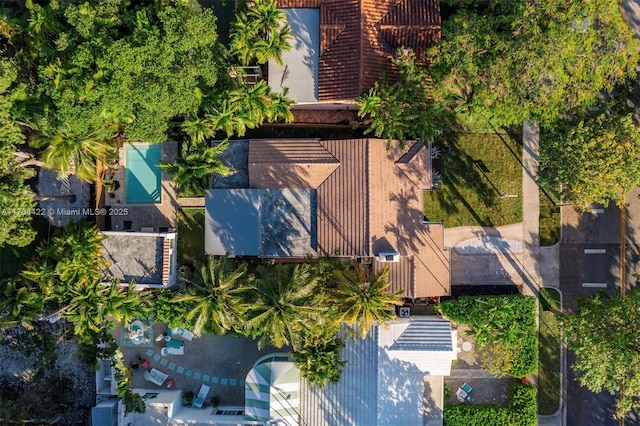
(522, 411)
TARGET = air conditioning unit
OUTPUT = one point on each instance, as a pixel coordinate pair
(404, 312)
(388, 257)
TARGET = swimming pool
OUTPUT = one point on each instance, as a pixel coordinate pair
(143, 181)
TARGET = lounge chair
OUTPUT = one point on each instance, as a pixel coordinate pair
(172, 351)
(181, 332)
(201, 396)
(155, 376)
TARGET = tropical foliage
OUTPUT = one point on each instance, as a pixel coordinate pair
(16, 201)
(362, 300)
(522, 411)
(509, 62)
(319, 358)
(503, 326)
(215, 291)
(259, 32)
(604, 335)
(594, 159)
(20, 303)
(285, 304)
(403, 110)
(196, 166)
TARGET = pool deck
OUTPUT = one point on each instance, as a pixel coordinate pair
(156, 216)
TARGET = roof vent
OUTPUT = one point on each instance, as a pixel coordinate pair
(388, 257)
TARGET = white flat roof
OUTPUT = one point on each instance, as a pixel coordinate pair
(299, 70)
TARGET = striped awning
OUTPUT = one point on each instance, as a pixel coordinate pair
(272, 390)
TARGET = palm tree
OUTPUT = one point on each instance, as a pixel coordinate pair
(198, 129)
(196, 165)
(215, 290)
(77, 251)
(255, 100)
(42, 272)
(285, 305)
(280, 108)
(20, 304)
(67, 153)
(260, 31)
(84, 308)
(123, 304)
(272, 48)
(363, 300)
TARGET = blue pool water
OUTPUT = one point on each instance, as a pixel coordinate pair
(143, 181)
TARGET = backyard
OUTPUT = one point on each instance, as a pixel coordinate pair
(481, 181)
(549, 353)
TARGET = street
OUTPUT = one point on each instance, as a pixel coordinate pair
(590, 261)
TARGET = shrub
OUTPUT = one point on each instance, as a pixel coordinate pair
(522, 411)
(501, 325)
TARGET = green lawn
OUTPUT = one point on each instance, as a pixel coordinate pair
(549, 226)
(191, 236)
(481, 181)
(549, 353)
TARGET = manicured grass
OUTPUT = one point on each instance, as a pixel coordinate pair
(549, 353)
(549, 227)
(481, 181)
(191, 236)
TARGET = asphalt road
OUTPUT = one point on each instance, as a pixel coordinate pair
(590, 260)
(580, 272)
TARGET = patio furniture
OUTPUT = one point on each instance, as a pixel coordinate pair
(170, 383)
(463, 393)
(172, 351)
(137, 331)
(145, 364)
(175, 344)
(155, 376)
(180, 332)
(202, 395)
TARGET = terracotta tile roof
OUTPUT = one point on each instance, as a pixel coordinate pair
(358, 38)
(371, 202)
(292, 164)
(343, 210)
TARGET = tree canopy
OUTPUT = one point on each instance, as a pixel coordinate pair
(510, 62)
(605, 335)
(404, 109)
(591, 160)
(101, 66)
(504, 328)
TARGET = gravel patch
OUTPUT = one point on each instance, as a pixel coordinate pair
(48, 383)
(489, 245)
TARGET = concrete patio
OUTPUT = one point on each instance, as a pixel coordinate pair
(221, 362)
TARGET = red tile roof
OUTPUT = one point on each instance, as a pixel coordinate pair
(358, 38)
(369, 201)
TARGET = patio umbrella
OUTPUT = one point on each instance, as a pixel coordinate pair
(272, 391)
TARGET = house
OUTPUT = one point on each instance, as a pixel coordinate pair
(350, 199)
(342, 47)
(148, 258)
(395, 376)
